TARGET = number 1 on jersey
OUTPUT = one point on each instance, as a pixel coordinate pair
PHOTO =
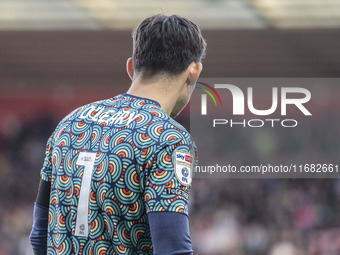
(85, 159)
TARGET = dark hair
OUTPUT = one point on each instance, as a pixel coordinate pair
(166, 44)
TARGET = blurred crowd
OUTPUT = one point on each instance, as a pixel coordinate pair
(266, 216)
(22, 148)
(227, 216)
(281, 216)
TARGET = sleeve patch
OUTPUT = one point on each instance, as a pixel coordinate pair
(183, 167)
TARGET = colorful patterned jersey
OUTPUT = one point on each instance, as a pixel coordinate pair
(110, 163)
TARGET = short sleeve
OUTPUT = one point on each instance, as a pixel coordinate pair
(169, 179)
(46, 171)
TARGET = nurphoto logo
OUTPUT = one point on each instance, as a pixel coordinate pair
(280, 99)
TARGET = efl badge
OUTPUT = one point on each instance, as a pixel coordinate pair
(183, 167)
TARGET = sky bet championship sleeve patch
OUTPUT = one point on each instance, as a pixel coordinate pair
(183, 167)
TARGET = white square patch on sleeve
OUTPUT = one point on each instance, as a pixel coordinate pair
(183, 167)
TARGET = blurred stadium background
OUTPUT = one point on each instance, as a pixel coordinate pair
(57, 55)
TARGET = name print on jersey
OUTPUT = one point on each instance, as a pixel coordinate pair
(109, 116)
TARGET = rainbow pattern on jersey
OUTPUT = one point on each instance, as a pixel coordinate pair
(127, 145)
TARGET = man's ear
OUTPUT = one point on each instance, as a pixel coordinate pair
(195, 69)
(130, 68)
